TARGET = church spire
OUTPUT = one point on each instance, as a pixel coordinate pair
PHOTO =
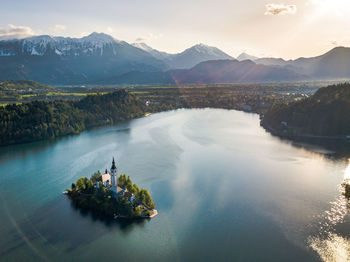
(113, 165)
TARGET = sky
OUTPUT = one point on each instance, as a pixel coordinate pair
(264, 28)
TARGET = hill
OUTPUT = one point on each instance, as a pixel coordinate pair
(40, 120)
(334, 64)
(326, 113)
(23, 85)
(11, 91)
(233, 71)
(211, 72)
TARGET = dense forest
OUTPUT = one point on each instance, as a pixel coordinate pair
(326, 113)
(37, 120)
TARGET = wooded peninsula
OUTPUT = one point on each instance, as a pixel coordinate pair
(325, 114)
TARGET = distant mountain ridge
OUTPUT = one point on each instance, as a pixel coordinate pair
(100, 58)
(212, 72)
(188, 58)
(245, 56)
(331, 65)
(59, 60)
(93, 58)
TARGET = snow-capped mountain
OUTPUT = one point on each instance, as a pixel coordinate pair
(245, 56)
(188, 58)
(143, 46)
(62, 60)
(94, 43)
(155, 53)
(197, 54)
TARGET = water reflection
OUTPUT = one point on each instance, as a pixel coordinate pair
(225, 190)
(330, 245)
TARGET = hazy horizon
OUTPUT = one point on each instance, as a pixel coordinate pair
(288, 29)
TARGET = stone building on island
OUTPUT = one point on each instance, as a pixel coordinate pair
(110, 179)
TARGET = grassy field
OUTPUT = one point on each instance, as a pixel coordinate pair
(29, 91)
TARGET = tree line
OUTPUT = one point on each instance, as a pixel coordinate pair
(326, 113)
(38, 120)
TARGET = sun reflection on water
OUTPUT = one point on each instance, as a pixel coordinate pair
(332, 249)
(330, 246)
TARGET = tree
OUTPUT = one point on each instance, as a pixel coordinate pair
(128, 184)
(96, 176)
(137, 211)
(122, 180)
(347, 191)
(81, 184)
(135, 189)
(145, 198)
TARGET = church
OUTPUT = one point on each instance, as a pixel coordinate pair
(110, 179)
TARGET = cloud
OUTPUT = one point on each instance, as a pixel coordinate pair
(15, 32)
(140, 39)
(110, 30)
(58, 28)
(280, 9)
(148, 37)
(339, 41)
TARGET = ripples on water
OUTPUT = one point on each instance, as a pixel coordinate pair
(329, 245)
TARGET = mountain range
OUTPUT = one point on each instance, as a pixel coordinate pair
(331, 65)
(188, 58)
(101, 59)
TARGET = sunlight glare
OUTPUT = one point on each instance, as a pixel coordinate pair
(331, 6)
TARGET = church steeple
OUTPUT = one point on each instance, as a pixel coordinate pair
(113, 165)
(114, 174)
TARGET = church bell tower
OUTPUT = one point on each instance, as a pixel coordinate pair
(114, 174)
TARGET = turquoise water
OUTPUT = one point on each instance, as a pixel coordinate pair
(225, 191)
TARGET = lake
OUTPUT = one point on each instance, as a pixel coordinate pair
(225, 190)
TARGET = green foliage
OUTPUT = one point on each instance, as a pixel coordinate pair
(96, 176)
(39, 120)
(122, 180)
(135, 189)
(25, 85)
(128, 184)
(144, 197)
(347, 190)
(137, 212)
(85, 195)
(146, 213)
(125, 207)
(326, 113)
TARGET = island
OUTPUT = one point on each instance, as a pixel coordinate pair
(110, 196)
